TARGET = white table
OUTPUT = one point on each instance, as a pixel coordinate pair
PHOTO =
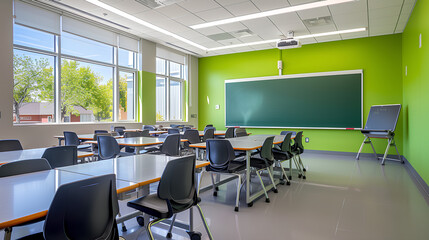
(12, 156)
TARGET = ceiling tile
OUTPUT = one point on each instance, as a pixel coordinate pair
(228, 2)
(264, 28)
(314, 13)
(265, 5)
(199, 5)
(232, 27)
(354, 35)
(308, 41)
(189, 19)
(173, 11)
(350, 20)
(242, 8)
(128, 6)
(336, 37)
(214, 14)
(210, 31)
(375, 4)
(289, 22)
(231, 41)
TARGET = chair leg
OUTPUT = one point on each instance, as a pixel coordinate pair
(205, 223)
(169, 235)
(267, 199)
(272, 180)
(199, 183)
(149, 225)
(237, 198)
(213, 185)
(302, 167)
(284, 173)
(290, 168)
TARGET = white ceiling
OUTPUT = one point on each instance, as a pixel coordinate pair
(380, 17)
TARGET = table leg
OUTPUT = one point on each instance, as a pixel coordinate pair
(248, 177)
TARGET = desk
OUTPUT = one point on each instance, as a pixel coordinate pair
(84, 137)
(216, 133)
(140, 130)
(12, 156)
(247, 144)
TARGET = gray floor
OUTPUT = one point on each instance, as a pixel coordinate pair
(341, 199)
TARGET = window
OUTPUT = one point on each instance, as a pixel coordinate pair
(83, 73)
(169, 90)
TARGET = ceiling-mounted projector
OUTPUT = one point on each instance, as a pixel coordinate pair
(289, 42)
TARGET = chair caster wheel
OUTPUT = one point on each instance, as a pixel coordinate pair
(169, 235)
(299, 175)
(305, 170)
(195, 235)
(282, 182)
(250, 204)
(215, 194)
(140, 220)
(275, 190)
(304, 177)
(267, 200)
(236, 209)
(288, 183)
(124, 229)
(217, 188)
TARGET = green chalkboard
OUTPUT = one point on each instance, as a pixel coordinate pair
(317, 100)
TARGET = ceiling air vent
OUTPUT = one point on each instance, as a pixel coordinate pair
(320, 21)
(153, 4)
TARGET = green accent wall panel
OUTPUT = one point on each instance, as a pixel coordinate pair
(147, 97)
(415, 111)
(380, 58)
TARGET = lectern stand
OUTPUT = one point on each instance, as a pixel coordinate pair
(381, 123)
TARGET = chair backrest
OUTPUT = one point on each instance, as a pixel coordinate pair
(192, 135)
(145, 133)
(100, 131)
(208, 134)
(298, 142)
(267, 149)
(171, 144)
(24, 166)
(177, 184)
(219, 153)
(119, 129)
(240, 132)
(101, 134)
(186, 128)
(84, 209)
(173, 130)
(229, 132)
(132, 134)
(10, 145)
(286, 144)
(71, 138)
(286, 132)
(107, 147)
(150, 127)
(207, 127)
(61, 156)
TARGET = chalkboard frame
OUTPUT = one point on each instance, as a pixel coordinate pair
(302, 75)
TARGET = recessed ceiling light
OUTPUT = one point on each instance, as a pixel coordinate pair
(144, 23)
(297, 37)
(271, 13)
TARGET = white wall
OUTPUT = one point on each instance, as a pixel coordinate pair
(32, 136)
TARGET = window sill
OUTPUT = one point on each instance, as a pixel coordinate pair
(71, 123)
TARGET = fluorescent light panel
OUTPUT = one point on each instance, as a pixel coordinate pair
(298, 37)
(271, 13)
(144, 23)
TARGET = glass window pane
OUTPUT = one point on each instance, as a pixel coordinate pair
(29, 37)
(86, 92)
(126, 96)
(126, 58)
(85, 48)
(175, 70)
(33, 90)
(175, 100)
(160, 66)
(160, 99)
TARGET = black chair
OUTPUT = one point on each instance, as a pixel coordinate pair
(10, 145)
(100, 131)
(229, 132)
(173, 131)
(95, 146)
(24, 166)
(240, 132)
(286, 132)
(108, 148)
(297, 150)
(71, 139)
(186, 128)
(208, 127)
(61, 156)
(284, 154)
(221, 155)
(84, 209)
(149, 127)
(170, 147)
(208, 134)
(264, 163)
(193, 136)
(132, 135)
(119, 129)
(176, 193)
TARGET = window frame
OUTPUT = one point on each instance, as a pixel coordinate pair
(168, 79)
(116, 68)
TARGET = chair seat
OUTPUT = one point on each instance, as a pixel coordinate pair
(151, 205)
(232, 168)
(259, 163)
(279, 155)
(84, 148)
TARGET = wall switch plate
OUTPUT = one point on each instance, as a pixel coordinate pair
(307, 139)
(406, 70)
(217, 107)
(194, 115)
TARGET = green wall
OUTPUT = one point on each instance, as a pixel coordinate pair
(416, 89)
(379, 57)
(146, 97)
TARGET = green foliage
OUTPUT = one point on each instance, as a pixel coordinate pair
(159, 117)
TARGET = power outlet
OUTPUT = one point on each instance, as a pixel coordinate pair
(217, 107)
(307, 140)
(420, 41)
